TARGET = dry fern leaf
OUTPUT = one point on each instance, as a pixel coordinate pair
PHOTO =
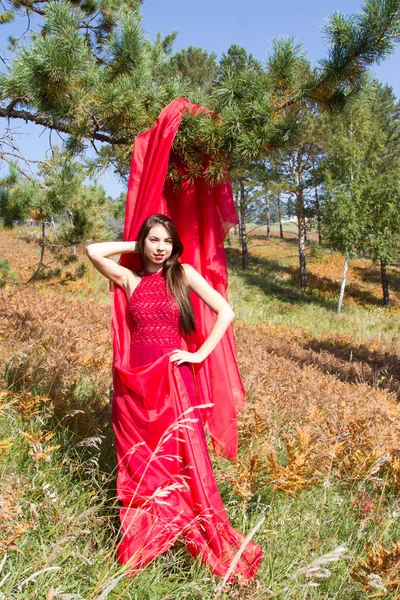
(5, 445)
(307, 458)
(380, 570)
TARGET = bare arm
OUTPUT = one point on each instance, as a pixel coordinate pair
(218, 304)
(98, 254)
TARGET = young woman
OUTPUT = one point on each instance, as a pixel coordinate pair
(160, 248)
(165, 480)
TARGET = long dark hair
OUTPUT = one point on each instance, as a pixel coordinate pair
(172, 269)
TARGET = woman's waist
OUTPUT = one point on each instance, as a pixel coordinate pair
(156, 338)
(144, 354)
(145, 346)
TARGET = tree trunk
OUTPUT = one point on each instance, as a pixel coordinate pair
(297, 174)
(267, 203)
(317, 208)
(42, 243)
(229, 238)
(242, 227)
(73, 249)
(343, 285)
(280, 216)
(302, 252)
(385, 284)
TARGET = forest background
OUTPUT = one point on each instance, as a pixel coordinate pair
(314, 155)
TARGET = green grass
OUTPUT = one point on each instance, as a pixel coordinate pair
(70, 502)
(264, 293)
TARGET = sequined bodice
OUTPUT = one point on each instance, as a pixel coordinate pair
(154, 312)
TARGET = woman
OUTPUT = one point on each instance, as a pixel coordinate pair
(165, 480)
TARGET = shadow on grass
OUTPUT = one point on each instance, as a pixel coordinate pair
(373, 275)
(359, 363)
(349, 362)
(325, 284)
(288, 238)
(263, 274)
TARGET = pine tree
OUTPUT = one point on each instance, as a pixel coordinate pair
(194, 64)
(382, 197)
(296, 176)
(92, 73)
(58, 201)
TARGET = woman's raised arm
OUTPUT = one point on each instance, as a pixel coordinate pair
(98, 254)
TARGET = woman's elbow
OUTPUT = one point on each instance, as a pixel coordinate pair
(90, 250)
(226, 314)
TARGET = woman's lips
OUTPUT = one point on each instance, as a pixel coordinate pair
(159, 255)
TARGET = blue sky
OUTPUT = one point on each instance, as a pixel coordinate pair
(215, 25)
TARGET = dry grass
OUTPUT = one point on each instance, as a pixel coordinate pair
(321, 424)
(13, 524)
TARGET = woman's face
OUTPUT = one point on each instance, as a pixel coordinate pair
(158, 245)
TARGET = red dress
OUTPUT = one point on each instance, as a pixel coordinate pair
(165, 480)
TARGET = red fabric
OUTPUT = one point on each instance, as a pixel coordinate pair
(165, 480)
(202, 215)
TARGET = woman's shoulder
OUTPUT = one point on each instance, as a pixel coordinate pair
(188, 269)
(191, 274)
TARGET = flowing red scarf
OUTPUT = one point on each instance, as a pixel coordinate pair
(202, 215)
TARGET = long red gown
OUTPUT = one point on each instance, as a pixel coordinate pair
(165, 480)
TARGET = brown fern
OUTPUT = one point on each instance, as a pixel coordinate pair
(380, 570)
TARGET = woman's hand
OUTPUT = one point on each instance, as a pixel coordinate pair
(181, 356)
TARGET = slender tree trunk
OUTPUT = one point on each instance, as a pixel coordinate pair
(318, 211)
(385, 284)
(242, 227)
(343, 285)
(229, 238)
(297, 174)
(73, 249)
(302, 251)
(267, 203)
(43, 243)
(280, 216)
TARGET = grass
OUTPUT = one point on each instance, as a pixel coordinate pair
(268, 292)
(68, 506)
(322, 403)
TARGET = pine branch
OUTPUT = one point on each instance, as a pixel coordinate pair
(356, 43)
(5, 156)
(57, 125)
